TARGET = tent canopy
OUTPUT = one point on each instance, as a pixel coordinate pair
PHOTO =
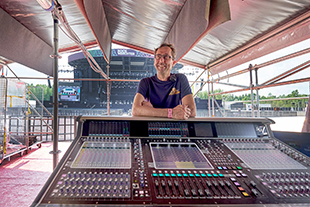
(215, 34)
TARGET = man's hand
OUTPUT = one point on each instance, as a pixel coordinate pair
(181, 112)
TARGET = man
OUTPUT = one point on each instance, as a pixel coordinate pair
(165, 94)
(306, 126)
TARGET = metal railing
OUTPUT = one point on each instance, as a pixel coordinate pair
(39, 127)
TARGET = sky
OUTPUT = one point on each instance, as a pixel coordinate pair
(264, 74)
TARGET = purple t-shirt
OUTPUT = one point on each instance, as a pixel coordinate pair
(164, 94)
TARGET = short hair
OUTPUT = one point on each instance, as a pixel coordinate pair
(173, 52)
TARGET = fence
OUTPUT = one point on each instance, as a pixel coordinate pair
(243, 113)
(41, 127)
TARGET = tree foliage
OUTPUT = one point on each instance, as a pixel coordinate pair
(296, 103)
(204, 94)
(37, 91)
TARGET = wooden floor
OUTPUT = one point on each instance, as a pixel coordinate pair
(22, 178)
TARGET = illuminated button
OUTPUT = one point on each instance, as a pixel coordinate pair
(241, 188)
(237, 184)
(172, 175)
(155, 175)
(244, 175)
(224, 168)
(185, 175)
(203, 175)
(161, 175)
(221, 175)
(179, 175)
(197, 175)
(191, 175)
(239, 168)
(233, 179)
(220, 168)
(238, 175)
(245, 194)
(215, 175)
(167, 175)
(209, 175)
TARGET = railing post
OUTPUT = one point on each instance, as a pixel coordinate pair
(209, 104)
(213, 110)
(257, 95)
(251, 88)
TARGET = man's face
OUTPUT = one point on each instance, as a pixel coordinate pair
(162, 64)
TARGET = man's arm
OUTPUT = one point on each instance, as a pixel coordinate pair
(306, 126)
(142, 108)
(188, 100)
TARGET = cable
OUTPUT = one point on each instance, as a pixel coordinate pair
(67, 30)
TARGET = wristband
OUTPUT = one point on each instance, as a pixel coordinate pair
(170, 113)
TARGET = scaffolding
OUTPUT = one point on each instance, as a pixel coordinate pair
(272, 82)
(14, 136)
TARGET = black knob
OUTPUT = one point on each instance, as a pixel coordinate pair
(252, 183)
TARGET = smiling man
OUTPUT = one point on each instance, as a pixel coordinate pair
(165, 94)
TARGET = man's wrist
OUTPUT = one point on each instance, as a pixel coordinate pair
(170, 113)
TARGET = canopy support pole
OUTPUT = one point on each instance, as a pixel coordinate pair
(108, 90)
(55, 57)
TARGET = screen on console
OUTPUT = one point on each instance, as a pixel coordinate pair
(103, 155)
(178, 156)
(235, 130)
(203, 130)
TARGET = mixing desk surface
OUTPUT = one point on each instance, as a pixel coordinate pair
(117, 161)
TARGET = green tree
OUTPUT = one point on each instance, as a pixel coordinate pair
(204, 94)
(37, 91)
(297, 103)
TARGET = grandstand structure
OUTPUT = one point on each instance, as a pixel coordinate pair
(127, 67)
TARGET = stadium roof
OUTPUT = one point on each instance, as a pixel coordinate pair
(218, 34)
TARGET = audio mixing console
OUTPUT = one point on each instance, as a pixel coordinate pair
(117, 161)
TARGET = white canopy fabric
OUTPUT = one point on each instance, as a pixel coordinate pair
(218, 34)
